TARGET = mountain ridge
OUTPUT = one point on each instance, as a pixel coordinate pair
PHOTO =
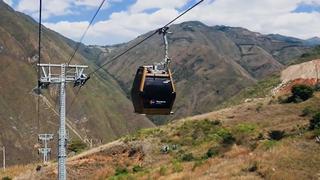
(219, 59)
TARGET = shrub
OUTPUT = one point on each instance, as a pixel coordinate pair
(276, 135)
(301, 93)
(317, 87)
(212, 152)
(308, 111)
(259, 107)
(6, 178)
(177, 167)
(316, 132)
(137, 168)
(192, 133)
(77, 146)
(269, 144)
(260, 136)
(163, 170)
(197, 164)
(187, 157)
(227, 138)
(216, 123)
(121, 171)
(315, 122)
(252, 167)
(246, 128)
(284, 99)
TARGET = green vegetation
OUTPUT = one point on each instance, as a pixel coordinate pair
(77, 146)
(187, 157)
(121, 174)
(212, 152)
(121, 171)
(137, 168)
(244, 133)
(197, 164)
(313, 54)
(316, 132)
(276, 135)
(315, 122)
(259, 107)
(253, 167)
(259, 90)
(245, 128)
(177, 166)
(143, 133)
(268, 144)
(163, 170)
(301, 93)
(6, 178)
(226, 136)
(194, 133)
(309, 111)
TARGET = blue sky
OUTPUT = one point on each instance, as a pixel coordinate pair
(123, 20)
(307, 8)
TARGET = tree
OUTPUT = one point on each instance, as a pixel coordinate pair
(77, 146)
(301, 92)
(315, 122)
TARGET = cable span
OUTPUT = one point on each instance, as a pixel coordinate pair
(137, 44)
(39, 60)
(146, 38)
(85, 32)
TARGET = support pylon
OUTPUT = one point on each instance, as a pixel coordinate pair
(45, 138)
(62, 74)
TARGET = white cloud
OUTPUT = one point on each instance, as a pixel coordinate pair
(9, 2)
(58, 7)
(94, 3)
(142, 5)
(50, 8)
(72, 30)
(121, 27)
(268, 16)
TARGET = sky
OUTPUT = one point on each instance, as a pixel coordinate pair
(123, 20)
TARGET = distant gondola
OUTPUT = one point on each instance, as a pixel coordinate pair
(153, 90)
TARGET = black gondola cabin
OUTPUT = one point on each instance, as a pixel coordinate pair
(152, 91)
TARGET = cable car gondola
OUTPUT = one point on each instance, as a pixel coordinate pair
(153, 90)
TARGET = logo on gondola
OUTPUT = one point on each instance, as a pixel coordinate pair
(153, 102)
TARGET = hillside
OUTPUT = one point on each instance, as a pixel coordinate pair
(240, 142)
(101, 111)
(210, 64)
(257, 136)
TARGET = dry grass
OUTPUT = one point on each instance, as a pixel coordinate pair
(16, 170)
(253, 156)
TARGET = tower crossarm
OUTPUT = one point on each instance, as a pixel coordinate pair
(51, 73)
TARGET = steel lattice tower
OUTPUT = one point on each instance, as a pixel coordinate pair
(57, 74)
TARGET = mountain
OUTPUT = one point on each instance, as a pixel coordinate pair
(209, 64)
(313, 41)
(100, 112)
